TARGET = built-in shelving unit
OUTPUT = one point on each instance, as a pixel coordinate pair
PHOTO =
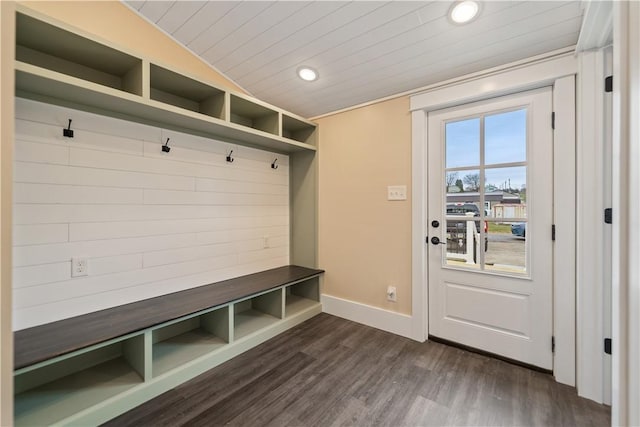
(92, 383)
(64, 66)
(89, 369)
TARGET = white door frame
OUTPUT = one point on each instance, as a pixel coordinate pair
(626, 205)
(592, 247)
(555, 69)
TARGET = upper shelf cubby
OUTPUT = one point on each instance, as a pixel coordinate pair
(61, 65)
(53, 48)
(175, 89)
(254, 115)
(298, 130)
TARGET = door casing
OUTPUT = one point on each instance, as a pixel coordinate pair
(556, 69)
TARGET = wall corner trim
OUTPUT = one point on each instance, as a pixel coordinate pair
(388, 321)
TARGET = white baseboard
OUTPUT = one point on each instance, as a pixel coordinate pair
(389, 321)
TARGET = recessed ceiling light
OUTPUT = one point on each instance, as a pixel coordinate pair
(308, 74)
(464, 11)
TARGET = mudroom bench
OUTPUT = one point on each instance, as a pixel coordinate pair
(91, 368)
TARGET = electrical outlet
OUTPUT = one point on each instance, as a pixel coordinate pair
(265, 242)
(397, 192)
(79, 267)
(391, 294)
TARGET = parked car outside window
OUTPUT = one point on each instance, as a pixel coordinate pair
(519, 229)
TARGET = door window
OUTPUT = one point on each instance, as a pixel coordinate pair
(486, 192)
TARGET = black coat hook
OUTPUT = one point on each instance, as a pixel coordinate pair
(165, 147)
(274, 165)
(68, 132)
(229, 158)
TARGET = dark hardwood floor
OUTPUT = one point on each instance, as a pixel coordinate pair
(331, 372)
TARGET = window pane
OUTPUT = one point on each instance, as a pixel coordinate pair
(463, 192)
(462, 143)
(505, 137)
(463, 242)
(507, 248)
(506, 192)
(462, 186)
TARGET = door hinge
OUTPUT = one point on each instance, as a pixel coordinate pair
(553, 232)
(553, 344)
(608, 84)
(607, 345)
(553, 120)
(608, 216)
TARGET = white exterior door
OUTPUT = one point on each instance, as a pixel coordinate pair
(490, 186)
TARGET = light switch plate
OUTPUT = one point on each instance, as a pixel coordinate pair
(397, 192)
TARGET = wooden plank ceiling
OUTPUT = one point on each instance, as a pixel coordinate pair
(363, 50)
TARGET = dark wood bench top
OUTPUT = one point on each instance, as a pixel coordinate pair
(44, 342)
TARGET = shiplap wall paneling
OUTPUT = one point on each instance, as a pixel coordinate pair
(149, 222)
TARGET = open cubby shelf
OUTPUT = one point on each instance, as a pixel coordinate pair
(250, 321)
(298, 129)
(251, 315)
(301, 296)
(50, 393)
(248, 113)
(189, 339)
(62, 66)
(172, 88)
(81, 372)
(53, 48)
(55, 401)
(173, 352)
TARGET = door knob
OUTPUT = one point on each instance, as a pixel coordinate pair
(436, 241)
(435, 223)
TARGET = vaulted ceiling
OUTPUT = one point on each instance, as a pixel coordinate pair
(362, 50)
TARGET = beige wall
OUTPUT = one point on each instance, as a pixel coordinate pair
(7, 41)
(116, 23)
(365, 240)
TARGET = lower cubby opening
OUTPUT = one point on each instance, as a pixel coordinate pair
(182, 342)
(301, 296)
(54, 392)
(256, 313)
